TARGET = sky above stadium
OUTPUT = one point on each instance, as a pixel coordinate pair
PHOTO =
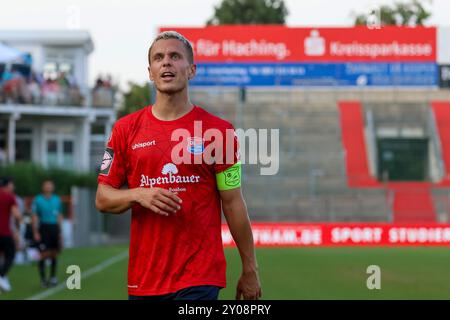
(123, 29)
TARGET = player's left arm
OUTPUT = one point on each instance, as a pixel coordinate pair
(59, 208)
(235, 211)
(17, 215)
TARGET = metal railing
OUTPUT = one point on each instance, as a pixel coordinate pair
(64, 97)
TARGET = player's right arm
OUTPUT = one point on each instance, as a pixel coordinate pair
(112, 200)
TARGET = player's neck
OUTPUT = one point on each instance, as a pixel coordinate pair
(171, 107)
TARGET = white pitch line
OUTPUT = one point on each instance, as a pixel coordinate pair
(101, 266)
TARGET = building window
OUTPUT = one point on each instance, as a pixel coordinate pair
(53, 69)
(60, 152)
(58, 61)
(68, 154)
(3, 155)
(52, 153)
(23, 150)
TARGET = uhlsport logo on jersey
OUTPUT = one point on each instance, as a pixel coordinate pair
(170, 172)
(195, 145)
(143, 144)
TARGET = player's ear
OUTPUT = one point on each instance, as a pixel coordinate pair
(192, 71)
(150, 73)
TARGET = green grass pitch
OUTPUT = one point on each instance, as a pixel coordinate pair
(286, 273)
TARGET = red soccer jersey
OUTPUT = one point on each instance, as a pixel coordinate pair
(185, 249)
(7, 201)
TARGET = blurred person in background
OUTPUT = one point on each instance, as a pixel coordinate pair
(35, 89)
(103, 93)
(63, 88)
(47, 225)
(13, 83)
(8, 207)
(50, 92)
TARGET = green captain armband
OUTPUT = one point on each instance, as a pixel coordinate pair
(229, 178)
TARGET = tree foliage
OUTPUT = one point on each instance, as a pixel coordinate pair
(411, 13)
(249, 12)
(28, 178)
(135, 98)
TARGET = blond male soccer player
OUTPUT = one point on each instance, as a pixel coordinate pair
(176, 248)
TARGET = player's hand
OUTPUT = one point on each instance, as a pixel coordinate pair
(37, 237)
(160, 201)
(249, 287)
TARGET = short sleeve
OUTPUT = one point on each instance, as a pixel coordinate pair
(112, 168)
(13, 201)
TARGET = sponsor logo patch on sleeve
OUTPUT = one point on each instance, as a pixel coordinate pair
(107, 161)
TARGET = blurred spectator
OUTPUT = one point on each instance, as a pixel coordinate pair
(50, 91)
(63, 89)
(103, 93)
(98, 82)
(35, 91)
(15, 87)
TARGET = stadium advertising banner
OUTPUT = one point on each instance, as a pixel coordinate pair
(345, 234)
(279, 55)
(315, 74)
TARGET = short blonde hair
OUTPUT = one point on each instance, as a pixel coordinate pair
(173, 35)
